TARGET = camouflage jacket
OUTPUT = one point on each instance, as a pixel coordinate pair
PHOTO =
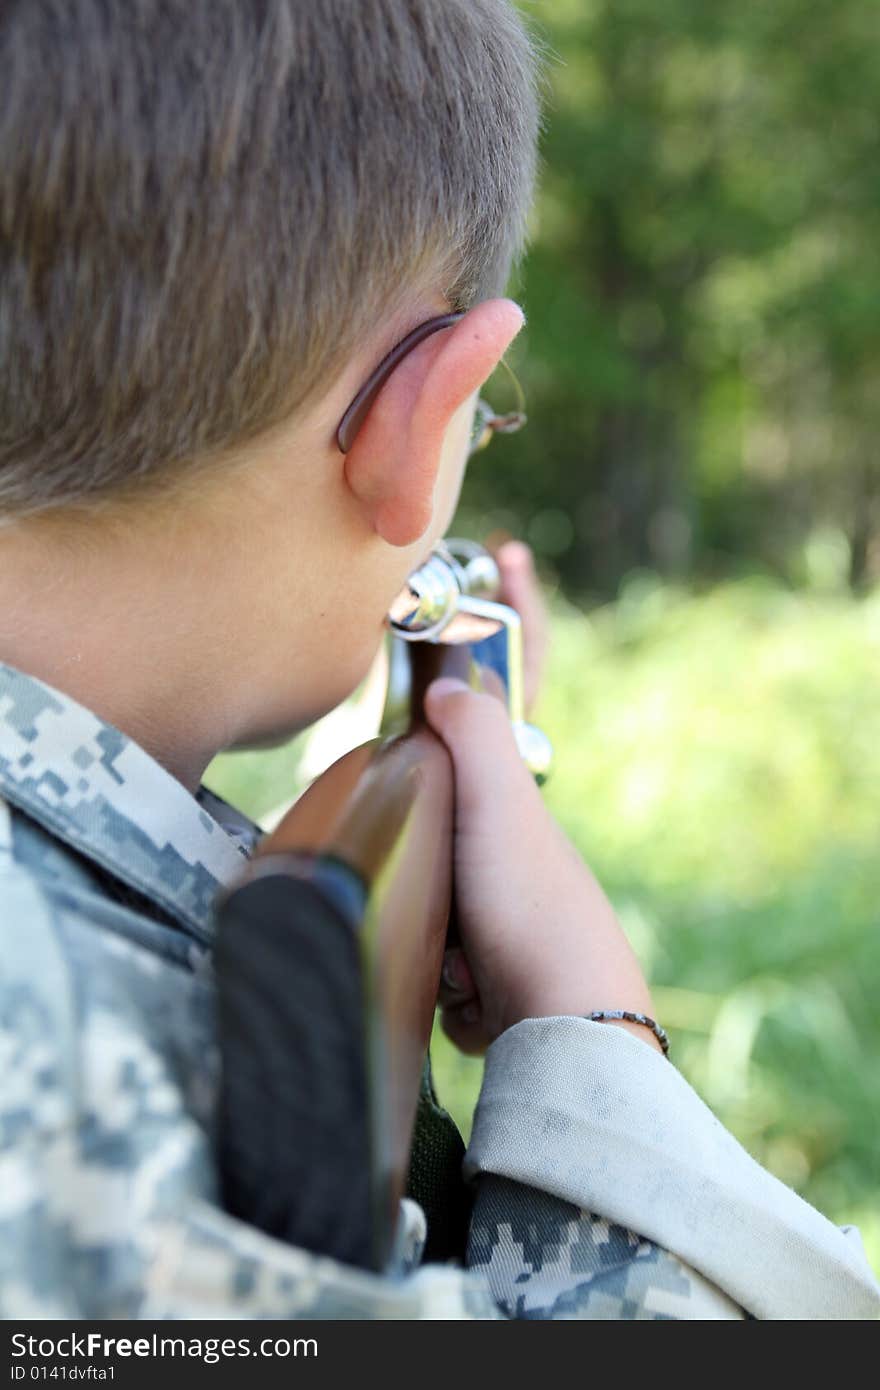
(108, 1067)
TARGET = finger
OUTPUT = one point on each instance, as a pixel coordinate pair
(456, 981)
(464, 1027)
(521, 589)
(450, 998)
(477, 731)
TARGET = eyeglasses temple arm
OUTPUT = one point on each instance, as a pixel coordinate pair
(359, 409)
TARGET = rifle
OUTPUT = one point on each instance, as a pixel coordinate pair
(329, 950)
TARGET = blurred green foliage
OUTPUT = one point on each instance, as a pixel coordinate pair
(701, 359)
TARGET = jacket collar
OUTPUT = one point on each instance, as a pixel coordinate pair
(94, 788)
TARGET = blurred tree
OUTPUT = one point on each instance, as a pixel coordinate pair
(702, 355)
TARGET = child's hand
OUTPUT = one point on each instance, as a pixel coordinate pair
(538, 936)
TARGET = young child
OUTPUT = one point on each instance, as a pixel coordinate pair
(215, 220)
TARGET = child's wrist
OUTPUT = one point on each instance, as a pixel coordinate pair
(564, 1002)
(644, 1032)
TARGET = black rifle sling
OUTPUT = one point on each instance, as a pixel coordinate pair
(298, 1150)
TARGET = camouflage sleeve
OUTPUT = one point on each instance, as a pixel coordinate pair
(107, 1201)
(544, 1258)
(37, 1086)
(205, 1264)
(622, 1134)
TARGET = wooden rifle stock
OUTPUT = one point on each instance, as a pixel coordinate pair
(328, 962)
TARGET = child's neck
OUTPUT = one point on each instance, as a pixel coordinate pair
(165, 632)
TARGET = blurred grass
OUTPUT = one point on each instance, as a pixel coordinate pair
(719, 766)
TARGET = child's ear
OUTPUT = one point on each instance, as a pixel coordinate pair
(393, 464)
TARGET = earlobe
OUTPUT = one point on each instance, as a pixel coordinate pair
(404, 523)
(393, 465)
(396, 485)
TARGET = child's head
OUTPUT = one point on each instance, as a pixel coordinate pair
(206, 207)
(216, 217)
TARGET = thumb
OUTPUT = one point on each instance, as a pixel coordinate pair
(477, 731)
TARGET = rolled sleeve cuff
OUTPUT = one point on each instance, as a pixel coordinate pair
(590, 1114)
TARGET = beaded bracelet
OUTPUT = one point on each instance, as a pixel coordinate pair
(600, 1015)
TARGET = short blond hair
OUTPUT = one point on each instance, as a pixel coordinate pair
(205, 205)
